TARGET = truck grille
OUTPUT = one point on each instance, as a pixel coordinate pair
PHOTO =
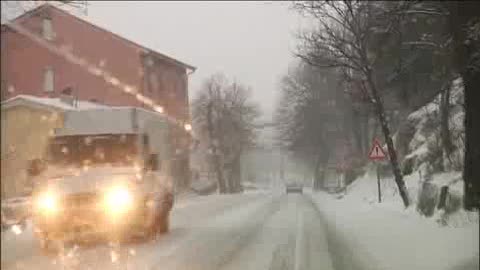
(82, 200)
(82, 208)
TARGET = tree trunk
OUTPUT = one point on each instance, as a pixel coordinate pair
(365, 128)
(216, 160)
(236, 174)
(445, 113)
(380, 110)
(232, 169)
(316, 183)
(467, 63)
(471, 172)
(368, 131)
(322, 159)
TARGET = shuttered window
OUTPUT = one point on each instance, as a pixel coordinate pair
(48, 80)
(47, 29)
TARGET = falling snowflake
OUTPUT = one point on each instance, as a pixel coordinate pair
(132, 252)
(114, 81)
(81, 61)
(66, 48)
(128, 89)
(72, 251)
(95, 71)
(11, 89)
(16, 229)
(65, 150)
(88, 140)
(114, 256)
(159, 109)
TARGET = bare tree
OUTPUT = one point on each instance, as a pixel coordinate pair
(313, 116)
(224, 119)
(341, 41)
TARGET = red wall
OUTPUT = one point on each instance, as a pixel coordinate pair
(24, 63)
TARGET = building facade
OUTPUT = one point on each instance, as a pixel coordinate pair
(28, 68)
(27, 124)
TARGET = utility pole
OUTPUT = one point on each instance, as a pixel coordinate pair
(378, 184)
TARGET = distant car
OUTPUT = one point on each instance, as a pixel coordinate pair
(294, 188)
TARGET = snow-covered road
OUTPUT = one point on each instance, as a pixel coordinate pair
(244, 231)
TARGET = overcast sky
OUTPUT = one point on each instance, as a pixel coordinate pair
(251, 41)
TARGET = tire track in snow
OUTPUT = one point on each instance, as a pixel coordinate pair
(292, 238)
(140, 255)
(215, 244)
(299, 248)
(274, 245)
(315, 251)
(185, 223)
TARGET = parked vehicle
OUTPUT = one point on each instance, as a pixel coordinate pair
(14, 211)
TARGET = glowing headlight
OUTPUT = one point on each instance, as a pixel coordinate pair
(118, 200)
(47, 203)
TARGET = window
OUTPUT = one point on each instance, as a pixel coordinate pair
(153, 82)
(48, 80)
(146, 142)
(47, 29)
(153, 163)
(149, 62)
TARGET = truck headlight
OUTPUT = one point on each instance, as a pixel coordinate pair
(47, 203)
(118, 200)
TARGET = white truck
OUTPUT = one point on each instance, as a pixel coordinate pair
(108, 172)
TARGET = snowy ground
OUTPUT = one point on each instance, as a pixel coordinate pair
(273, 230)
(373, 235)
(261, 230)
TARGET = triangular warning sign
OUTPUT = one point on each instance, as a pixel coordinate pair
(376, 153)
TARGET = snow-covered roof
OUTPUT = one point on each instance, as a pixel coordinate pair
(97, 121)
(49, 103)
(88, 117)
(112, 120)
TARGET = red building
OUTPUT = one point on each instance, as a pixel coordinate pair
(29, 68)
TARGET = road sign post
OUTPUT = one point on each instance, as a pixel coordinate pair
(378, 184)
(377, 154)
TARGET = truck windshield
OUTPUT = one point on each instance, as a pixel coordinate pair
(93, 149)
